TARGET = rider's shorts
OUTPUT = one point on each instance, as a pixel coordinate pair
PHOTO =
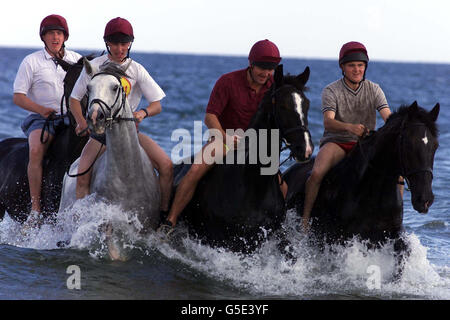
(35, 121)
(347, 146)
(99, 137)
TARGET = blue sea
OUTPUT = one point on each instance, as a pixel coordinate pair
(35, 268)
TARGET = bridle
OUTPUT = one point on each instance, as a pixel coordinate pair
(403, 170)
(115, 118)
(103, 105)
(284, 132)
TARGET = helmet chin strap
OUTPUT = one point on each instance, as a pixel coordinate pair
(128, 53)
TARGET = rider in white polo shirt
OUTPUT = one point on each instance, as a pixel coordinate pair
(38, 88)
(118, 38)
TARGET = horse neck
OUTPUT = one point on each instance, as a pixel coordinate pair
(262, 123)
(123, 150)
(374, 159)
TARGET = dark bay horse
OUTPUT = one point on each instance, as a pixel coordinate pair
(65, 148)
(360, 196)
(235, 205)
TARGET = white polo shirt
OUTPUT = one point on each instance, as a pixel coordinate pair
(139, 79)
(41, 80)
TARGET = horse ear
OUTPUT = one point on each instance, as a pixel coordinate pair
(303, 78)
(278, 76)
(435, 112)
(90, 70)
(414, 107)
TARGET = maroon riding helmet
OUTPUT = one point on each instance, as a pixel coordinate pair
(353, 51)
(118, 30)
(264, 54)
(54, 22)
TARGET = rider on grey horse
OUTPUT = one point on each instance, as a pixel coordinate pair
(118, 38)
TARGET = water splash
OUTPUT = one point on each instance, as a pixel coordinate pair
(82, 226)
(338, 271)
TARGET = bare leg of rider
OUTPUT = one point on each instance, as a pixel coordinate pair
(186, 189)
(401, 186)
(88, 156)
(329, 155)
(163, 164)
(37, 151)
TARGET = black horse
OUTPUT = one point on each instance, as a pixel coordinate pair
(65, 148)
(360, 195)
(235, 206)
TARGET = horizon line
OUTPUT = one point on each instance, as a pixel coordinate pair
(213, 54)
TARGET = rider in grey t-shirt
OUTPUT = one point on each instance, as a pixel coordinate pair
(352, 106)
(349, 110)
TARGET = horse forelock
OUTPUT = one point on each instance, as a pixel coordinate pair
(113, 69)
(293, 81)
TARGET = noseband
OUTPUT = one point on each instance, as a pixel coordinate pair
(103, 105)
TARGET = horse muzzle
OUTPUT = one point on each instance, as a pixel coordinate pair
(303, 155)
(96, 121)
(421, 204)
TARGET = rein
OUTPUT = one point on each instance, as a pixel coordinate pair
(403, 171)
(54, 117)
(284, 132)
(109, 121)
(114, 118)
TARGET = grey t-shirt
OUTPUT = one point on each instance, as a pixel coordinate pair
(351, 106)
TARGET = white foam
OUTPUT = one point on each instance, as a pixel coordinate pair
(81, 224)
(338, 271)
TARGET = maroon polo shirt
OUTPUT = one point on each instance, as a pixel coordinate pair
(233, 101)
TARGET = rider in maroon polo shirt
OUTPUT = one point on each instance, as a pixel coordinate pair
(233, 102)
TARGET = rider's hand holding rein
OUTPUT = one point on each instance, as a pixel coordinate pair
(26, 103)
(358, 129)
(151, 110)
(47, 112)
(82, 126)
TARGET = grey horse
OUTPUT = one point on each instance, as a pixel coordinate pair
(123, 175)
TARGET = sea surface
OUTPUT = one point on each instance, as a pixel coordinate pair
(33, 267)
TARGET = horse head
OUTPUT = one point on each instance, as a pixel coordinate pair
(417, 143)
(73, 71)
(290, 111)
(106, 96)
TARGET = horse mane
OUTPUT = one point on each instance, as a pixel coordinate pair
(393, 125)
(113, 69)
(412, 115)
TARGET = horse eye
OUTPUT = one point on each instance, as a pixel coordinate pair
(116, 87)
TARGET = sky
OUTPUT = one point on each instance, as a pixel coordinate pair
(392, 30)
